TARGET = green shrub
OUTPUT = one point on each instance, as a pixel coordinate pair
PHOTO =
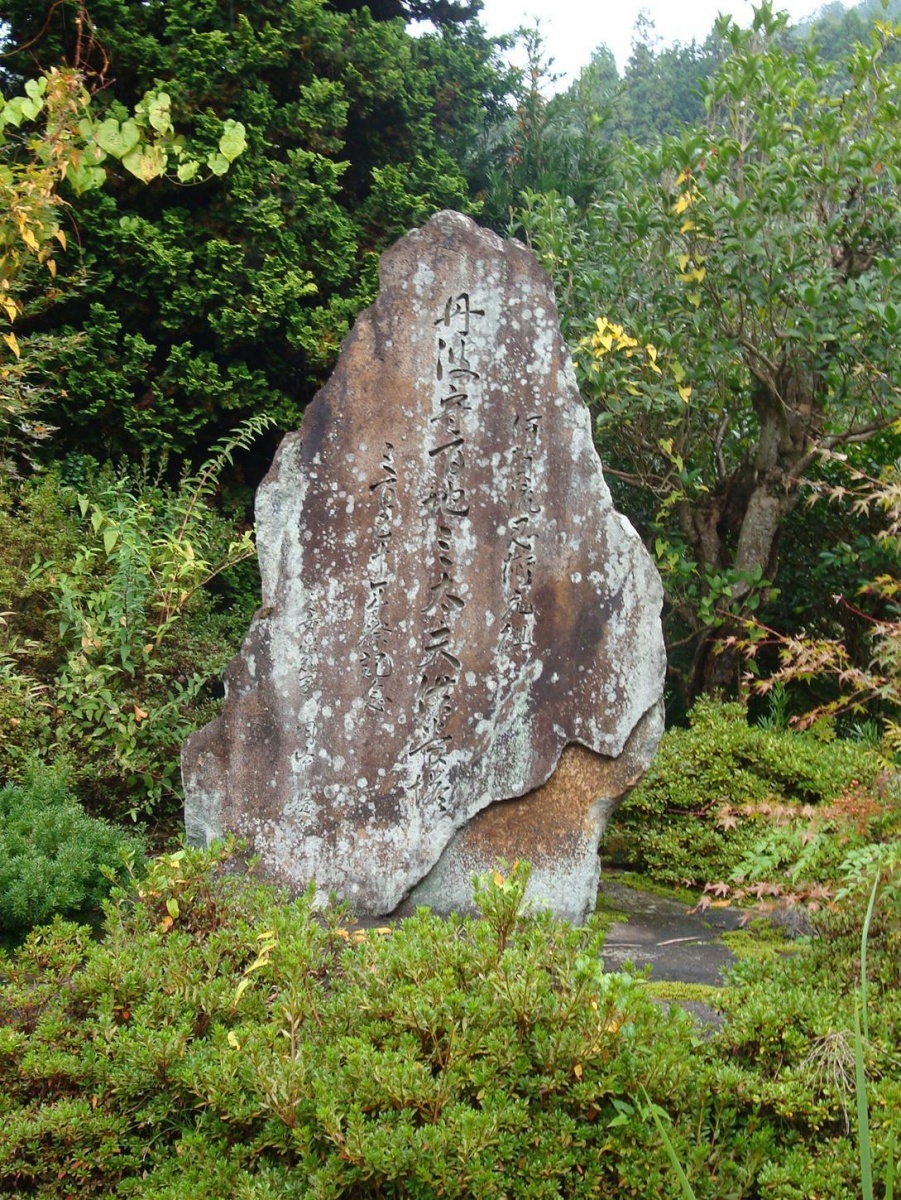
(724, 799)
(110, 635)
(52, 855)
(223, 1041)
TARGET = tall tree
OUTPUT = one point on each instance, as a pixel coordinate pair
(736, 302)
(205, 302)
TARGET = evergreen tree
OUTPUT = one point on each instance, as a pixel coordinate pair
(199, 304)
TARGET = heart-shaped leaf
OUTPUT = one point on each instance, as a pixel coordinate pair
(117, 139)
(35, 88)
(217, 163)
(147, 162)
(84, 178)
(159, 111)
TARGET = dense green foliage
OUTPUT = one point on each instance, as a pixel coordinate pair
(204, 303)
(220, 1041)
(731, 285)
(729, 802)
(110, 633)
(734, 297)
(52, 855)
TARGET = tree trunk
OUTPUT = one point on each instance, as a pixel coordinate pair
(736, 529)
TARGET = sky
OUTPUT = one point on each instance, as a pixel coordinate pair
(573, 29)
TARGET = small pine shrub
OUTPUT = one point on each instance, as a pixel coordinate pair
(724, 799)
(52, 854)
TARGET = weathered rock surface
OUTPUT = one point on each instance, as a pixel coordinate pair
(450, 603)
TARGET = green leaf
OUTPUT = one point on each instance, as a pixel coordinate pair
(110, 537)
(217, 163)
(233, 142)
(146, 162)
(117, 139)
(187, 170)
(35, 88)
(159, 111)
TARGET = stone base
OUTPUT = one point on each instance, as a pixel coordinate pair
(556, 827)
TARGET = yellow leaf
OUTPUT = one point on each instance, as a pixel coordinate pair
(240, 990)
(10, 339)
(499, 879)
(577, 1070)
(166, 924)
(687, 226)
(51, 267)
(10, 308)
(683, 260)
(682, 203)
(60, 237)
(232, 1040)
(685, 393)
(694, 298)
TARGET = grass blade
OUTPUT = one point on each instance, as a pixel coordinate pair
(864, 938)
(889, 1184)
(671, 1153)
(863, 1119)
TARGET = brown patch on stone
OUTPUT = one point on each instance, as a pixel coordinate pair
(556, 827)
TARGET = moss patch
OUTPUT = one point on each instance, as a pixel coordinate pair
(644, 883)
(762, 942)
(677, 992)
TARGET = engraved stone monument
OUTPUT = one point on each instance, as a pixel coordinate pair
(459, 653)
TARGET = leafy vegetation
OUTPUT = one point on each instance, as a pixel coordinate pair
(54, 859)
(733, 296)
(750, 812)
(225, 298)
(727, 271)
(110, 634)
(221, 1040)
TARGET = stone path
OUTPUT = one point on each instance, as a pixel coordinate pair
(676, 943)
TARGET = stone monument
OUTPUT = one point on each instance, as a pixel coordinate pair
(459, 653)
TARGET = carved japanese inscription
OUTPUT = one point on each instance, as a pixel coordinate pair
(450, 603)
